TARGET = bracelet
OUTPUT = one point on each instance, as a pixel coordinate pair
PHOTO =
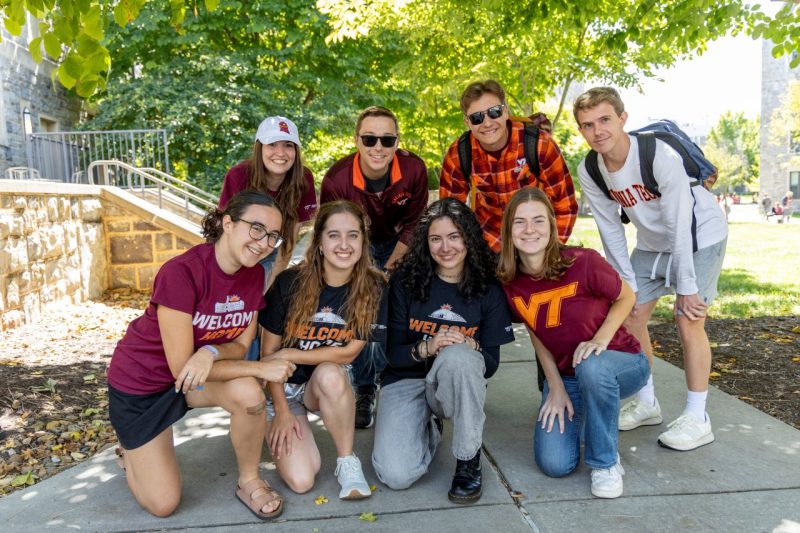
(415, 353)
(213, 349)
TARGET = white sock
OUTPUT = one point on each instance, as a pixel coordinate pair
(647, 394)
(696, 405)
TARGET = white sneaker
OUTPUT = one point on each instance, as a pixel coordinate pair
(351, 478)
(607, 482)
(686, 433)
(635, 413)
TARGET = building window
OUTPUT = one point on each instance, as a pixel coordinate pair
(794, 142)
(47, 125)
(794, 183)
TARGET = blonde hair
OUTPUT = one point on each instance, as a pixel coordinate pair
(596, 96)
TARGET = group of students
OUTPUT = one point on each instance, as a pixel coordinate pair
(417, 299)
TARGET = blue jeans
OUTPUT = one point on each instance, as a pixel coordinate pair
(372, 360)
(268, 263)
(595, 392)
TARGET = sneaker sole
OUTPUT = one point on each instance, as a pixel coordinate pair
(355, 495)
(707, 439)
(463, 500)
(371, 423)
(652, 421)
(607, 494)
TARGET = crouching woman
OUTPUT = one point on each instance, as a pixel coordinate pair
(448, 319)
(573, 303)
(187, 351)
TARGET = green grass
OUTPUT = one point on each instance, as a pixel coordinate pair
(760, 276)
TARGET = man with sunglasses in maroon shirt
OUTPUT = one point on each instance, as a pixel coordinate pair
(392, 186)
(500, 167)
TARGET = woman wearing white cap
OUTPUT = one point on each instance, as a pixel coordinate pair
(276, 168)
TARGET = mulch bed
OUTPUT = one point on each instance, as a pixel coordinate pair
(756, 360)
(54, 405)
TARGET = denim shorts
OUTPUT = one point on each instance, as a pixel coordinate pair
(655, 276)
(295, 396)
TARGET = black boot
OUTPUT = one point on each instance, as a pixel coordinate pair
(466, 487)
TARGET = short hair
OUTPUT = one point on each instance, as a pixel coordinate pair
(477, 89)
(376, 111)
(596, 96)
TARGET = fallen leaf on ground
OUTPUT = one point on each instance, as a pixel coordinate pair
(320, 499)
(368, 517)
(714, 375)
(373, 488)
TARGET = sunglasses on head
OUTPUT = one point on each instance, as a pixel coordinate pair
(387, 141)
(494, 112)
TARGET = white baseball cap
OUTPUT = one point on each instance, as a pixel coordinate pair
(275, 129)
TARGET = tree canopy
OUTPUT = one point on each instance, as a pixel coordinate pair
(209, 71)
(733, 147)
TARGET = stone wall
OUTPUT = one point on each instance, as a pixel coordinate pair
(776, 160)
(69, 243)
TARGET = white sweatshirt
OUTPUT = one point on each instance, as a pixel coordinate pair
(662, 224)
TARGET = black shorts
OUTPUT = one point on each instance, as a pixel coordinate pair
(139, 418)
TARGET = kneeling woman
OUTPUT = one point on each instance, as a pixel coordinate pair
(319, 315)
(186, 351)
(573, 304)
(448, 319)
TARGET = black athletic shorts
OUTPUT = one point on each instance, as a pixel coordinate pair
(139, 418)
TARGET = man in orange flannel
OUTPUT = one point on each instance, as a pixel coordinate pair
(499, 166)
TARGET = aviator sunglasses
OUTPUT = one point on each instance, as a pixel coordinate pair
(387, 141)
(494, 112)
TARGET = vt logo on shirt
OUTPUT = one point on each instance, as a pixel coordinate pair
(551, 300)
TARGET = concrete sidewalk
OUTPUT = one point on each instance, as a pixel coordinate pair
(748, 480)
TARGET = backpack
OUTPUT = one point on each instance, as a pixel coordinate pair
(699, 169)
(530, 138)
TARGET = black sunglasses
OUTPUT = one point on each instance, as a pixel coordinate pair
(387, 141)
(494, 112)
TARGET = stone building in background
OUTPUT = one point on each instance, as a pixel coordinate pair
(30, 102)
(780, 152)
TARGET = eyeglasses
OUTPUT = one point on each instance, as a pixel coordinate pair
(387, 141)
(494, 112)
(258, 232)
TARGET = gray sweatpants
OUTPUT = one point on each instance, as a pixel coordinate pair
(405, 434)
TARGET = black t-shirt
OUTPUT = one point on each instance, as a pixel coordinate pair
(326, 328)
(485, 318)
(378, 185)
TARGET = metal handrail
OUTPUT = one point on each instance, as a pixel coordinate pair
(18, 173)
(182, 184)
(160, 184)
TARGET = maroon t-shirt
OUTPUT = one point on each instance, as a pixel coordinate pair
(394, 212)
(238, 179)
(221, 306)
(568, 311)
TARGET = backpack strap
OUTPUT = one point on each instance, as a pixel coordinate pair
(647, 153)
(530, 141)
(465, 156)
(593, 168)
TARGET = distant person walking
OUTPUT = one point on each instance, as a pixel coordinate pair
(766, 205)
(788, 208)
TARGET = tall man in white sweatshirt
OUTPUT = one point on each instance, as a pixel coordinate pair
(663, 259)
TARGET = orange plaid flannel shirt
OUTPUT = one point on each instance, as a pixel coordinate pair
(497, 179)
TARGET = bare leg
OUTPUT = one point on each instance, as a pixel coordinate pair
(636, 324)
(299, 470)
(329, 392)
(153, 475)
(696, 352)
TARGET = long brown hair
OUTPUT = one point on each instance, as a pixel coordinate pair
(366, 282)
(555, 263)
(292, 190)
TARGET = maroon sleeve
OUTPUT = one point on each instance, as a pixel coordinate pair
(235, 181)
(601, 277)
(418, 203)
(308, 203)
(174, 288)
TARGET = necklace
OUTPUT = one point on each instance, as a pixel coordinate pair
(449, 278)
